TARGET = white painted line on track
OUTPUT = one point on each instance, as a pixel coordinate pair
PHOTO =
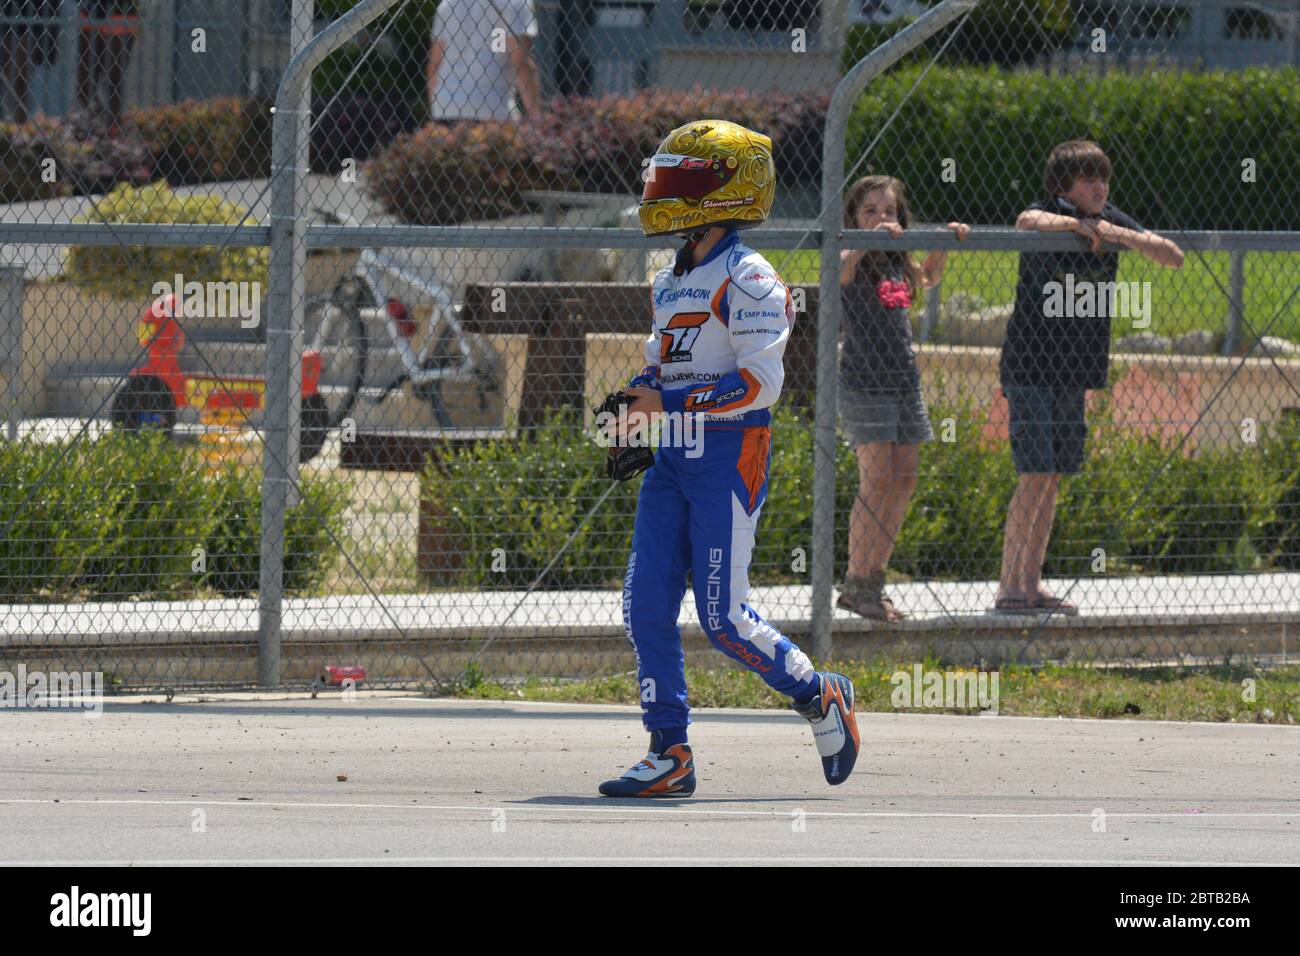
(755, 860)
(645, 810)
(699, 713)
(702, 713)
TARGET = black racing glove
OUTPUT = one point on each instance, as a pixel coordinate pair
(623, 461)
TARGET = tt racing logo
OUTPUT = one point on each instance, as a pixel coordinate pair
(704, 397)
(679, 335)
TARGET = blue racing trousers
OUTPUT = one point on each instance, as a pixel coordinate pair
(698, 515)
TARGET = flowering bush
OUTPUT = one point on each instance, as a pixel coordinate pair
(195, 141)
(88, 158)
(438, 176)
(593, 144)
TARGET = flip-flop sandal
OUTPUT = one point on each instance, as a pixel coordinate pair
(1056, 605)
(1012, 606)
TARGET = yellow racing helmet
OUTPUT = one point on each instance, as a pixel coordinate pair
(708, 173)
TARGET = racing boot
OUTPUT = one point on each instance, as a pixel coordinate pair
(665, 772)
(834, 727)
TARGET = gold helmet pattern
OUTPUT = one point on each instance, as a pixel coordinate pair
(708, 173)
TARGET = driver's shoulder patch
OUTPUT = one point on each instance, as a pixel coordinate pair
(751, 273)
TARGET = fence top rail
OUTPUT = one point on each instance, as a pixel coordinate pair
(132, 234)
(321, 236)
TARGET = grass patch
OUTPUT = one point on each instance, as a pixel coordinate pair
(1217, 694)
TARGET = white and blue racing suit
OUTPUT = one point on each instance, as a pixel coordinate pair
(719, 334)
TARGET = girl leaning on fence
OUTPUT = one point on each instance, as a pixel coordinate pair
(881, 411)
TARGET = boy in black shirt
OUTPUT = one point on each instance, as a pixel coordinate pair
(1055, 351)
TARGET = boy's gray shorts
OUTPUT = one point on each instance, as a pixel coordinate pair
(884, 416)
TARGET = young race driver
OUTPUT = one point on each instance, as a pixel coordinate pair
(721, 320)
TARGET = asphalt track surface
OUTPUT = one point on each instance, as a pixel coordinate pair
(237, 779)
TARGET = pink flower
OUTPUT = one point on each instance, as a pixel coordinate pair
(893, 294)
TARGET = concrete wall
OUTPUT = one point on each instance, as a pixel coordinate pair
(64, 324)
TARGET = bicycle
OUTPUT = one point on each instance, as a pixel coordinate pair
(335, 327)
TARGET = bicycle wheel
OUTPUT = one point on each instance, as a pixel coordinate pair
(460, 405)
(313, 427)
(335, 330)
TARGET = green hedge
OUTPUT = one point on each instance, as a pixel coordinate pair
(1151, 509)
(1176, 139)
(121, 517)
(1215, 511)
(312, 530)
(356, 68)
(1280, 536)
(1005, 32)
(861, 38)
(526, 496)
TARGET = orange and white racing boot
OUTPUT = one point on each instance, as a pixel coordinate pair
(834, 727)
(665, 772)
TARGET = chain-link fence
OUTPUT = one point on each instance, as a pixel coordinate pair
(305, 378)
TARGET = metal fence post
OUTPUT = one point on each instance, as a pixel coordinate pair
(11, 343)
(285, 300)
(930, 317)
(1291, 34)
(1236, 300)
(300, 34)
(69, 30)
(829, 305)
(275, 424)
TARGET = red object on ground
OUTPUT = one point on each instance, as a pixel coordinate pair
(164, 338)
(337, 675)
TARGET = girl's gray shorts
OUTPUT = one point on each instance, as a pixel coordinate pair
(884, 416)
